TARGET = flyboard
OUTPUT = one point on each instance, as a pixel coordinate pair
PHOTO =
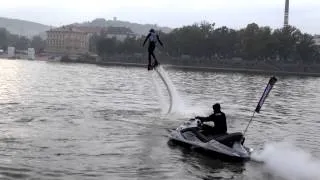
(165, 81)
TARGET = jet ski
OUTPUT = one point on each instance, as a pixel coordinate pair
(225, 146)
(229, 146)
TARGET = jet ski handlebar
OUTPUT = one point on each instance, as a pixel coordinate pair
(191, 124)
(197, 121)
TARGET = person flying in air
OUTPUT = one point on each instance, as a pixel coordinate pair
(153, 38)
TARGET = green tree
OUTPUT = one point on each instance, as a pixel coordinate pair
(106, 46)
(3, 38)
(205, 40)
(38, 44)
(307, 49)
(22, 43)
(288, 38)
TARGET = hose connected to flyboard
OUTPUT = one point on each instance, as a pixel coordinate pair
(168, 88)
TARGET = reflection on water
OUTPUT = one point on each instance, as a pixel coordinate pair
(77, 121)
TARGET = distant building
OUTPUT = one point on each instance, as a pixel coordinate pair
(67, 40)
(31, 53)
(92, 30)
(120, 33)
(316, 39)
(11, 52)
(74, 39)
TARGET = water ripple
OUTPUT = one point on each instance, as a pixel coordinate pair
(77, 121)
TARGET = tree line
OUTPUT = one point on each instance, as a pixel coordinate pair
(206, 41)
(203, 40)
(20, 42)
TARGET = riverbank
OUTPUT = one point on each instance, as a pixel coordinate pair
(200, 68)
(260, 67)
(234, 70)
(216, 69)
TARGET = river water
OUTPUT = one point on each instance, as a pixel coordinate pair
(79, 121)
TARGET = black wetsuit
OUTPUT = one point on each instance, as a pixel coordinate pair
(220, 123)
(153, 39)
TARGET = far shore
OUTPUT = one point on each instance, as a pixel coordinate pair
(214, 69)
(211, 68)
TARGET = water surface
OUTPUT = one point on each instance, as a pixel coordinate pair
(78, 121)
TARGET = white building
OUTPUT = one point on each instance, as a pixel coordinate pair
(11, 52)
(31, 53)
(120, 33)
(316, 39)
(67, 40)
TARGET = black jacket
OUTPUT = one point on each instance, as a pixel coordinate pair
(219, 119)
(153, 38)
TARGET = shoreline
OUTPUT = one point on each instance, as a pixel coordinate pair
(215, 69)
(193, 68)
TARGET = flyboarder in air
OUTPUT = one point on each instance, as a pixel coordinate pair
(153, 38)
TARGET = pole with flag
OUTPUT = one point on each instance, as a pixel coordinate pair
(264, 96)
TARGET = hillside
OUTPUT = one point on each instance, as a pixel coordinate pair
(30, 29)
(135, 27)
(24, 28)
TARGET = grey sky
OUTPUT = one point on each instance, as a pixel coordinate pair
(173, 13)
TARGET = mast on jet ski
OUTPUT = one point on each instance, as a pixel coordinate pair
(264, 96)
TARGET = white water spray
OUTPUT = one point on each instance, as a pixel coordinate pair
(179, 106)
(177, 103)
(159, 92)
(289, 162)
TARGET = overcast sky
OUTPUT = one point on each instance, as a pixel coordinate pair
(305, 14)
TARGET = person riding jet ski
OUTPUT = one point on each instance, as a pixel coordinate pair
(194, 133)
(219, 119)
